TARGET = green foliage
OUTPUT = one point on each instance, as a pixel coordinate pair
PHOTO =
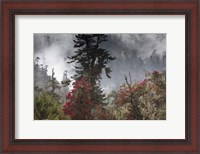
(145, 100)
(46, 107)
(91, 57)
(91, 60)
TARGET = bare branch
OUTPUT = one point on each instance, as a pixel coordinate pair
(126, 79)
(130, 78)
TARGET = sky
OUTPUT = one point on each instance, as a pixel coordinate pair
(135, 54)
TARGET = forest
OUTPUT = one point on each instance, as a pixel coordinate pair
(82, 95)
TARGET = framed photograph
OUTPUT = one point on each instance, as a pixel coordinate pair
(100, 76)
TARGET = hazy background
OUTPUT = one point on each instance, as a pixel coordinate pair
(135, 53)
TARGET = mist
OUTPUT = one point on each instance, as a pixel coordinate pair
(135, 54)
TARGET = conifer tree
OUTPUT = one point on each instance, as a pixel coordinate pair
(91, 59)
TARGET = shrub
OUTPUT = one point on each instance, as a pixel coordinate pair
(144, 100)
(78, 103)
(46, 107)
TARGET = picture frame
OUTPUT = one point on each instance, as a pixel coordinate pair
(12, 8)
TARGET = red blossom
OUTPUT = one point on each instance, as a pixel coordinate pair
(78, 96)
(155, 73)
(143, 82)
(67, 108)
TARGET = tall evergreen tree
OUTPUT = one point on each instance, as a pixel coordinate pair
(91, 60)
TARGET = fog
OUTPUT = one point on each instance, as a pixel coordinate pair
(135, 53)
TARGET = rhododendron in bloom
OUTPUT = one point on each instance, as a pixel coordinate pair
(78, 101)
(143, 97)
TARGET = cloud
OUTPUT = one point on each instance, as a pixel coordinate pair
(52, 50)
(132, 51)
(145, 44)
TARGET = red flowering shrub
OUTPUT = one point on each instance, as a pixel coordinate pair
(78, 103)
(143, 100)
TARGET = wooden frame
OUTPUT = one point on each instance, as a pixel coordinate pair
(10, 9)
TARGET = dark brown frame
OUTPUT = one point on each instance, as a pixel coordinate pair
(12, 8)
